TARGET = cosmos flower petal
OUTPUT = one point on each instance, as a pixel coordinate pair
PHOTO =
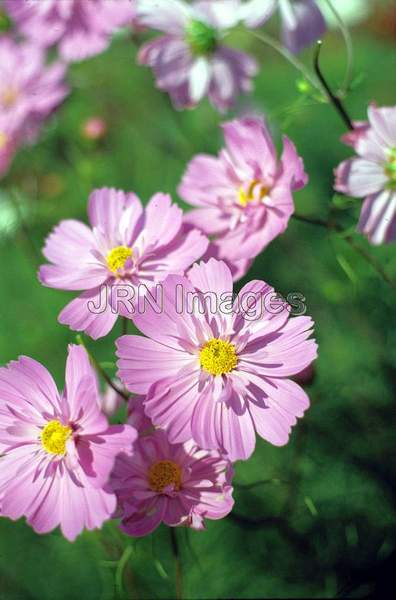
(140, 359)
(79, 317)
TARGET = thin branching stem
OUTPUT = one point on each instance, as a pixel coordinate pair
(96, 365)
(297, 64)
(349, 49)
(356, 247)
(334, 100)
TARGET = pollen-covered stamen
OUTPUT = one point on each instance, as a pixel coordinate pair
(117, 258)
(3, 140)
(163, 474)
(8, 97)
(54, 437)
(218, 357)
(254, 191)
(201, 38)
(390, 169)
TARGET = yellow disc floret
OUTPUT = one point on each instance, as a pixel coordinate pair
(117, 258)
(163, 474)
(9, 97)
(218, 357)
(3, 140)
(54, 437)
(390, 169)
(246, 195)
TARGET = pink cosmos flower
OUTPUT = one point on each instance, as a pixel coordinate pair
(216, 371)
(372, 174)
(57, 450)
(177, 484)
(190, 61)
(302, 24)
(29, 92)
(127, 249)
(81, 28)
(244, 196)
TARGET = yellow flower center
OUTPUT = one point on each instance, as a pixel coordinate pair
(218, 357)
(164, 473)
(117, 258)
(390, 169)
(9, 96)
(54, 437)
(246, 195)
(3, 140)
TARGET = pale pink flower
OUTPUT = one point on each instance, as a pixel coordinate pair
(302, 24)
(30, 91)
(177, 484)
(215, 370)
(244, 197)
(372, 174)
(56, 449)
(191, 61)
(81, 28)
(128, 250)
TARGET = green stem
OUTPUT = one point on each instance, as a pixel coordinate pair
(101, 371)
(358, 249)
(297, 64)
(119, 574)
(336, 102)
(176, 554)
(349, 48)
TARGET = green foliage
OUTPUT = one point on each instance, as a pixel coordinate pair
(327, 513)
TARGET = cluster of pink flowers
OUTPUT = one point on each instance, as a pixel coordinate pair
(30, 89)
(212, 368)
(79, 28)
(191, 60)
(207, 378)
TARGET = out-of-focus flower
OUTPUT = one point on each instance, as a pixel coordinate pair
(177, 484)
(128, 247)
(302, 23)
(137, 416)
(110, 401)
(244, 196)
(351, 12)
(372, 174)
(190, 61)
(56, 450)
(29, 92)
(94, 128)
(215, 370)
(81, 28)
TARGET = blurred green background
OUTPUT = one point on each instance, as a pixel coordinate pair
(323, 522)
